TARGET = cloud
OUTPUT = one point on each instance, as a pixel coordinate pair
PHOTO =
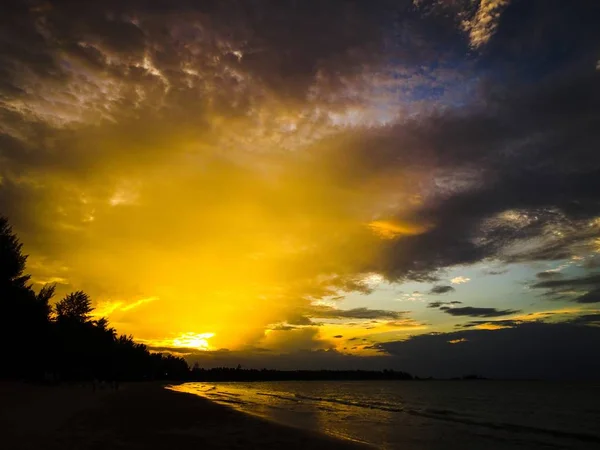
(490, 324)
(483, 24)
(570, 286)
(589, 297)
(549, 274)
(592, 262)
(553, 351)
(569, 283)
(281, 327)
(460, 280)
(328, 312)
(478, 312)
(441, 289)
(164, 150)
(439, 304)
(587, 319)
(496, 272)
(299, 320)
(306, 338)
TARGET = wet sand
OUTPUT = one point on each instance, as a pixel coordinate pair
(138, 416)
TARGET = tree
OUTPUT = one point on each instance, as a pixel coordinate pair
(12, 261)
(76, 306)
(43, 298)
(24, 319)
(72, 347)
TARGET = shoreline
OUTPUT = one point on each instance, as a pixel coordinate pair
(141, 416)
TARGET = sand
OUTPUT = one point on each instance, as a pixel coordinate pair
(138, 416)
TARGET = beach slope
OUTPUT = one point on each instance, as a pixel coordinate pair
(142, 416)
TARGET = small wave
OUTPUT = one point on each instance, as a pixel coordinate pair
(229, 394)
(373, 405)
(281, 397)
(456, 417)
(430, 413)
(503, 426)
(228, 400)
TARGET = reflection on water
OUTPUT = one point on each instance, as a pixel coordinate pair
(431, 415)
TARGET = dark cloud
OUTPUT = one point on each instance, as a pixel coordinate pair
(497, 323)
(586, 319)
(478, 312)
(548, 275)
(569, 283)
(528, 350)
(495, 272)
(440, 304)
(593, 262)
(299, 320)
(441, 289)
(557, 288)
(306, 316)
(324, 312)
(503, 150)
(282, 327)
(589, 297)
(338, 336)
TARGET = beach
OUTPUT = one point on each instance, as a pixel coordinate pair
(137, 416)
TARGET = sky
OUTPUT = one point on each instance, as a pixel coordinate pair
(409, 184)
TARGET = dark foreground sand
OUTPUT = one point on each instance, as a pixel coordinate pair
(138, 416)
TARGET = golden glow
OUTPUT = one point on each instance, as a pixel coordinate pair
(189, 340)
(105, 309)
(192, 340)
(388, 229)
(198, 205)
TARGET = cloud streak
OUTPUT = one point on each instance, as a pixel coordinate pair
(471, 311)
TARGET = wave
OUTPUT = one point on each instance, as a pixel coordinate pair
(281, 397)
(458, 417)
(447, 415)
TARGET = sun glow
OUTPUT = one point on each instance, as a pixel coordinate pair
(198, 341)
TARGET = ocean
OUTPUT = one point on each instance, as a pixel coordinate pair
(477, 414)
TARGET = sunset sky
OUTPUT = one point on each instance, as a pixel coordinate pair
(309, 183)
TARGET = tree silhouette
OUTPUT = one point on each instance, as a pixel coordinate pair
(44, 296)
(13, 260)
(75, 306)
(69, 346)
(24, 321)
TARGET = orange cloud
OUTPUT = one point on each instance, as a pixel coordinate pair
(390, 229)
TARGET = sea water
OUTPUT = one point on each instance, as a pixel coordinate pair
(477, 414)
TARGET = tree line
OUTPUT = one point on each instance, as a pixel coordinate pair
(239, 374)
(62, 340)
